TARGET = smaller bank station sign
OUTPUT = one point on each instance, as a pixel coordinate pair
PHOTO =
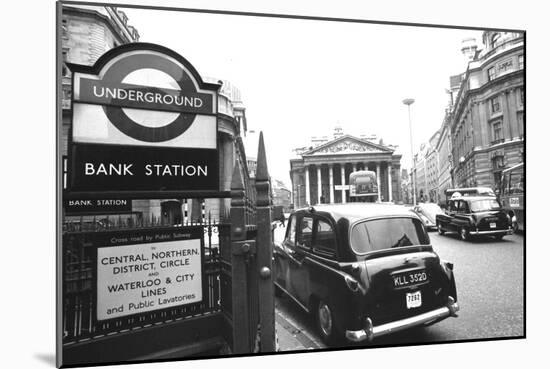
(143, 126)
(143, 121)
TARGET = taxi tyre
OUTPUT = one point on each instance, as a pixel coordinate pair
(327, 324)
(464, 234)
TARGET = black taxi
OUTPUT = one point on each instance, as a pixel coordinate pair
(363, 270)
(474, 216)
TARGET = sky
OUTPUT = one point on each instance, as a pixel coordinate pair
(301, 78)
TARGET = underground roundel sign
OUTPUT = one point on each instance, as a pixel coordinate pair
(143, 94)
(142, 120)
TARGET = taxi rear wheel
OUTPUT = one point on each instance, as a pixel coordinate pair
(326, 323)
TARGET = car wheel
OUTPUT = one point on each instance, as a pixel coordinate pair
(464, 234)
(515, 227)
(326, 323)
(440, 229)
(498, 237)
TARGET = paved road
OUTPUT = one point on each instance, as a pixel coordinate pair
(490, 283)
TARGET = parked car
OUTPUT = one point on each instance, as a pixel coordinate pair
(363, 270)
(474, 216)
(427, 212)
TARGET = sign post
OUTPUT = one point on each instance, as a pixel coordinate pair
(144, 126)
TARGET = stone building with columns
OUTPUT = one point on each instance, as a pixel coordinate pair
(321, 173)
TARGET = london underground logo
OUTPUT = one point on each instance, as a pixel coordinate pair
(108, 89)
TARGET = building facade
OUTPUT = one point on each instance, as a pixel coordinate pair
(281, 195)
(444, 161)
(321, 173)
(432, 167)
(420, 173)
(487, 128)
(406, 187)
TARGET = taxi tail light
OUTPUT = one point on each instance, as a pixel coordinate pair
(447, 268)
(453, 306)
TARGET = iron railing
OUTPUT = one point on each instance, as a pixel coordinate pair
(80, 275)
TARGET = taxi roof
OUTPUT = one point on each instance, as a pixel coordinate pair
(360, 210)
(473, 198)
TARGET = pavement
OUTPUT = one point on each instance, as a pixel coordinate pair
(292, 338)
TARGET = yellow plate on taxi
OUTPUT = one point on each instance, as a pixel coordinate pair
(414, 299)
(492, 225)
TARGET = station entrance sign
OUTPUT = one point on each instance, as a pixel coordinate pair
(143, 120)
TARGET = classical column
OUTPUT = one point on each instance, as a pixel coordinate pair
(343, 173)
(378, 179)
(389, 183)
(318, 184)
(306, 169)
(331, 182)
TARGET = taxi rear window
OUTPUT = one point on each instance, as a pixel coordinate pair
(380, 234)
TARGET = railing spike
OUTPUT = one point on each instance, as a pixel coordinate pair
(237, 182)
(261, 168)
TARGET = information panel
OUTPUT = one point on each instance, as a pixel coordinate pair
(162, 270)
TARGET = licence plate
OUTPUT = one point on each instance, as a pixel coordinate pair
(410, 279)
(414, 299)
(492, 225)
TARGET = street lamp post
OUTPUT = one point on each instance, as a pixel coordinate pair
(408, 102)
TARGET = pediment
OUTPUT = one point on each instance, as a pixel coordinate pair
(347, 145)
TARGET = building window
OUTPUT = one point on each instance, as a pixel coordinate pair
(521, 124)
(495, 105)
(520, 61)
(497, 132)
(521, 96)
(498, 162)
(491, 73)
(64, 28)
(64, 70)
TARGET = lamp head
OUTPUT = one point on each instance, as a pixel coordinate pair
(408, 101)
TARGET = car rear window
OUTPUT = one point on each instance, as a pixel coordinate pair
(485, 205)
(379, 234)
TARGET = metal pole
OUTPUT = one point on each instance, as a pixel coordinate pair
(412, 156)
(408, 102)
